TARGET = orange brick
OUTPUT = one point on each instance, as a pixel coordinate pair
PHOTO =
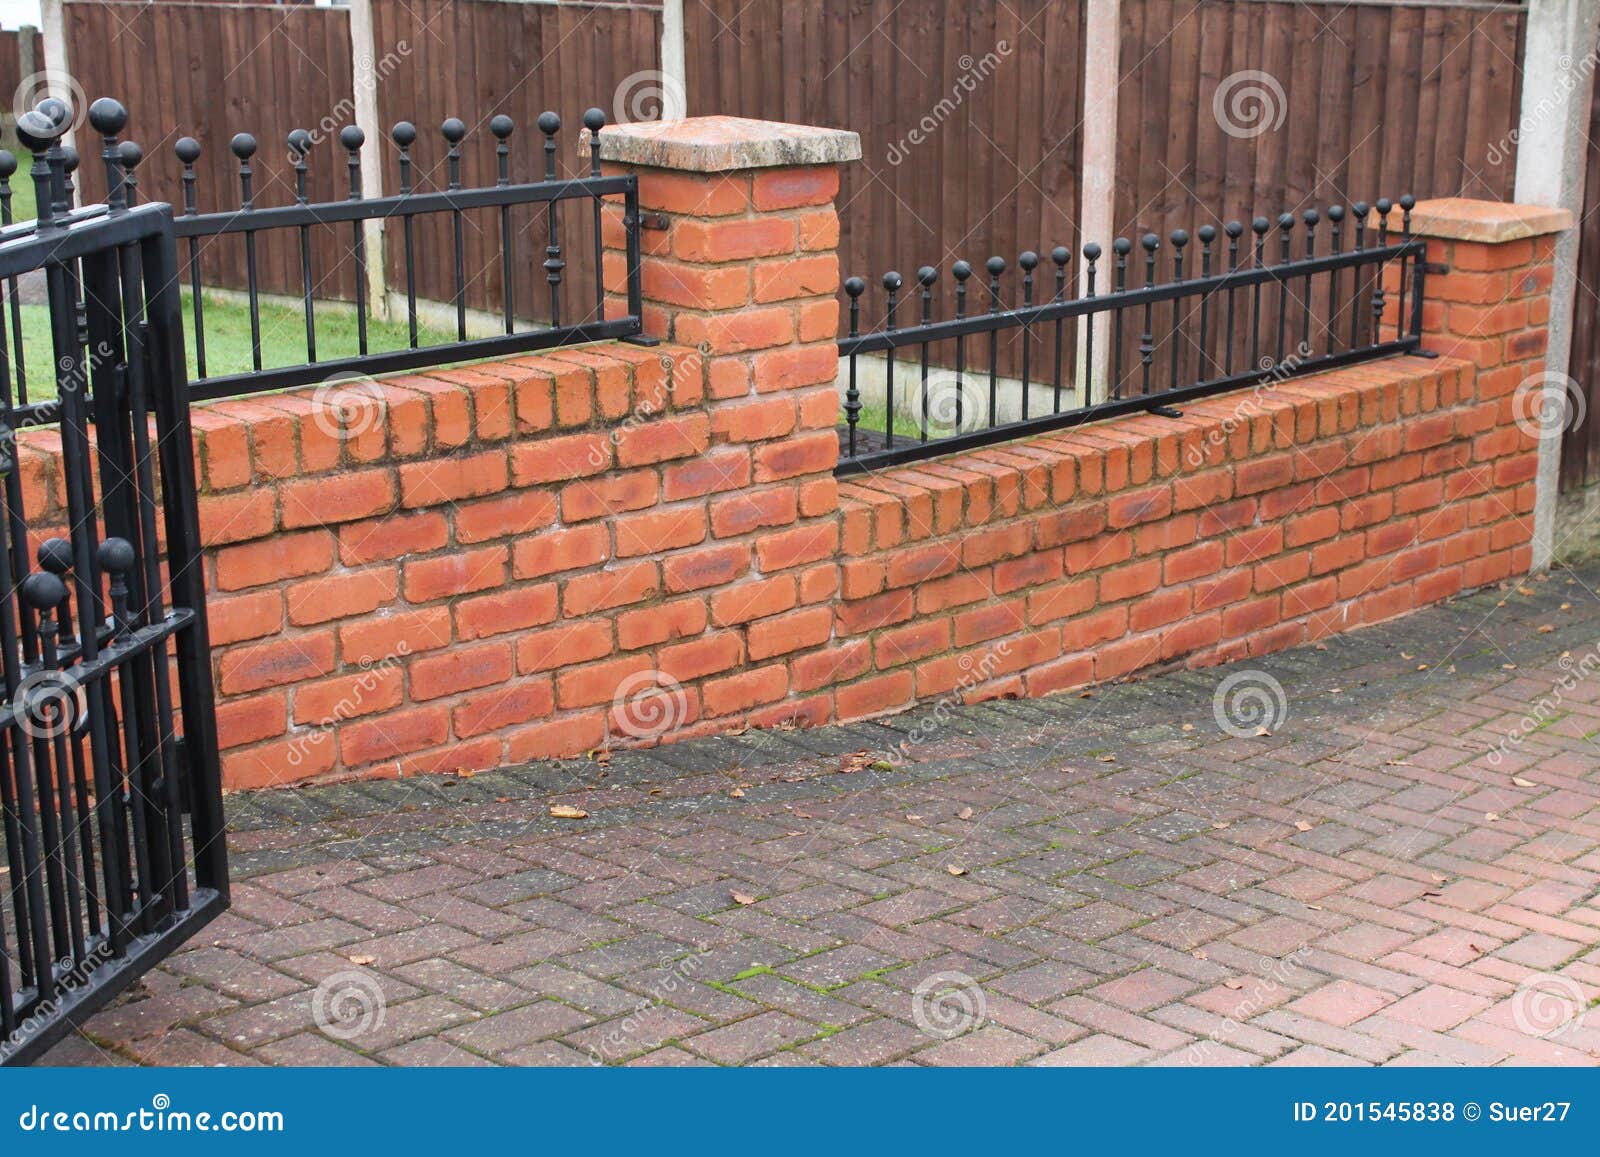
(663, 441)
(682, 619)
(753, 600)
(460, 669)
(502, 611)
(746, 511)
(657, 531)
(342, 595)
(376, 638)
(563, 645)
(394, 734)
(561, 737)
(612, 494)
(560, 459)
(504, 707)
(739, 240)
(382, 539)
(700, 569)
(337, 498)
(349, 696)
(274, 559)
(242, 721)
(611, 588)
(455, 574)
(558, 550)
(793, 632)
(244, 617)
(795, 187)
(745, 690)
(259, 665)
(238, 517)
(873, 696)
(797, 277)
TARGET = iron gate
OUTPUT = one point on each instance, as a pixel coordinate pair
(102, 877)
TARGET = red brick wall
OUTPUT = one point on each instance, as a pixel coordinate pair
(454, 570)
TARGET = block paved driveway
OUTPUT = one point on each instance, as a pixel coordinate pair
(1363, 885)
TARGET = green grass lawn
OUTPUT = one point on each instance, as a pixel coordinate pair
(22, 204)
(227, 326)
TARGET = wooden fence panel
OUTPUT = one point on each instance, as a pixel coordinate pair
(475, 60)
(210, 71)
(1580, 447)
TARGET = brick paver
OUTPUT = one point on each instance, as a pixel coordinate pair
(1100, 879)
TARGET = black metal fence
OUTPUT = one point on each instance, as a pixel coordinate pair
(335, 232)
(103, 758)
(1232, 311)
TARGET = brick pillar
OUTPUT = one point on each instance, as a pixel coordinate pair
(1486, 300)
(740, 262)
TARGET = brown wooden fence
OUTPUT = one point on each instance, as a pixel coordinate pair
(14, 51)
(1580, 448)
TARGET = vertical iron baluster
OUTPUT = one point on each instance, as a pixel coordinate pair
(453, 131)
(1311, 219)
(1179, 239)
(502, 127)
(891, 285)
(961, 270)
(1406, 203)
(299, 145)
(1259, 227)
(1091, 253)
(1029, 261)
(115, 558)
(550, 125)
(1336, 247)
(1147, 338)
(1418, 272)
(853, 287)
(996, 266)
(404, 135)
(1121, 247)
(1234, 230)
(130, 154)
(594, 120)
(55, 556)
(1359, 211)
(188, 151)
(1060, 256)
(1207, 234)
(244, 147)
(352, 138)
(1285, 243)
(1384, 206)
(926, 276)
(108, 118)
(8, 166)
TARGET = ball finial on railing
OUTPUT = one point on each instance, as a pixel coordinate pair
(1311, 217)
(1028, 260)
(502, 126)
(108, 117)
(188, 150)
(1383, 206)
(1259, 226)
(130, 153)
(549, 124)
(1234, 229)
(594, 119)
(43, 591)
(58, 111)
(1207, 234)
(115, 556)
(892, 281)
(404, 134)
(453, 130)
(8, 164)
(1151, 242)
(1122, 247)
(55, 555)
(1061, 254)
(1408, 202)
(927, 275)
(1336, 213)
(1179, 238)
(995, 265)
(243, 146)
(352, 138)
(961, 270)
(1286, 221)
(1091, 252)
(299, 143)
(37, 132)
(854, 286)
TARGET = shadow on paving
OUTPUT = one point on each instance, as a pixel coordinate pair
(1374, 876)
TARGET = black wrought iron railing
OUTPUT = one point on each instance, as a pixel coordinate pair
(1245, 310)
(447, 244)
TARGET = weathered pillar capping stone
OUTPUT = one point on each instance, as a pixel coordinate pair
(1488, 222)
(720, 144)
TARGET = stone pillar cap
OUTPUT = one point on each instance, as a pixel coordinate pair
(1464, 219)
(720, 144)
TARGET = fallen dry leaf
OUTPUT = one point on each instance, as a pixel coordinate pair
(1108, 759)
(565, 811)
(1545, 629)
(742, 898)
(1301, 825)
(964, 814)
(1262, 731)
(1219, 824)
(1520, 782)
(737, 793)
(1490, 817)
(913, 819)
(1236, 985)
(361, 960)
(955, 869)
(1199, 954)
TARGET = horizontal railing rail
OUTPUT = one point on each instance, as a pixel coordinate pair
(1242, 318)
(548, 318)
